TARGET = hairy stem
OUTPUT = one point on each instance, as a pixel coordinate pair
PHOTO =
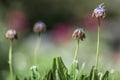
(10, 60)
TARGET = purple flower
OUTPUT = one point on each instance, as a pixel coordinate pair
(99, 12)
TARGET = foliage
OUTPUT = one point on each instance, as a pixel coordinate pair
(60, 72)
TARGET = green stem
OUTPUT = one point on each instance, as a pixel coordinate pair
(76, 51)
(98, 44)
(10, 60)
(36, 50)
(93, 74)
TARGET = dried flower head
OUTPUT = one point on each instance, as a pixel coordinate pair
(99, 12)
(39, 27)
(11, 34)
(79, 34)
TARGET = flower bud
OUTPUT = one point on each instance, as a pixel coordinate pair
(39, 27)
(11, 34)
(79, 34)
(99, 12)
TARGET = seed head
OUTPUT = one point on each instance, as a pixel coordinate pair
(79, 34)
(99, 12)
(11, 34)
(39, 27)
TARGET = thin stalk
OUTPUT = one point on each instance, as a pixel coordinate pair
(76, 50)
(74, 61)
(36, 50)
(98, 44)
(93, 74)
(10, 60)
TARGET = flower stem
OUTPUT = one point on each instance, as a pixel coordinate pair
(10, 60)
(98, 44)
(36, 49)
(93, 74)
(76, 51)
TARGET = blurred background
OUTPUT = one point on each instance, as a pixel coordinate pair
(61, 18)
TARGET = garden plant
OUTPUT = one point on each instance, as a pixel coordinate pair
(58, 70)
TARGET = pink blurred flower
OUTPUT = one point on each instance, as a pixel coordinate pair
(62, 33)
(17, 20)
(91, 23)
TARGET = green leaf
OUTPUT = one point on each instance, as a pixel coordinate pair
(49, 75)
(25, 78)
(106, 76)
(16, 78)
(35, 75)
(54, 68)
(58, 71)
(61, 68)
(74, 70)
(96, 77)
(80, 74)
(91, 73)
(85, 77)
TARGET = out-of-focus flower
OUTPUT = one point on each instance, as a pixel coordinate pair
(11, 34)
(90, 23)
(61, 33)
(35, 73)
(99, 12)
(39, 27)
(79, 34)
(17, 20)
(33, 68)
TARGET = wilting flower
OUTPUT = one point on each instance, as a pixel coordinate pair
(39, 27)
(11, 34)
(79, 34)
(99, 12)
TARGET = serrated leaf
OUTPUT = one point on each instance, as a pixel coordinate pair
(74, 70)
(54, 68)
(61, 68)
(49, 75)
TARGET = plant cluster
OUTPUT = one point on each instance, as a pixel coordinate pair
(59, 71)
